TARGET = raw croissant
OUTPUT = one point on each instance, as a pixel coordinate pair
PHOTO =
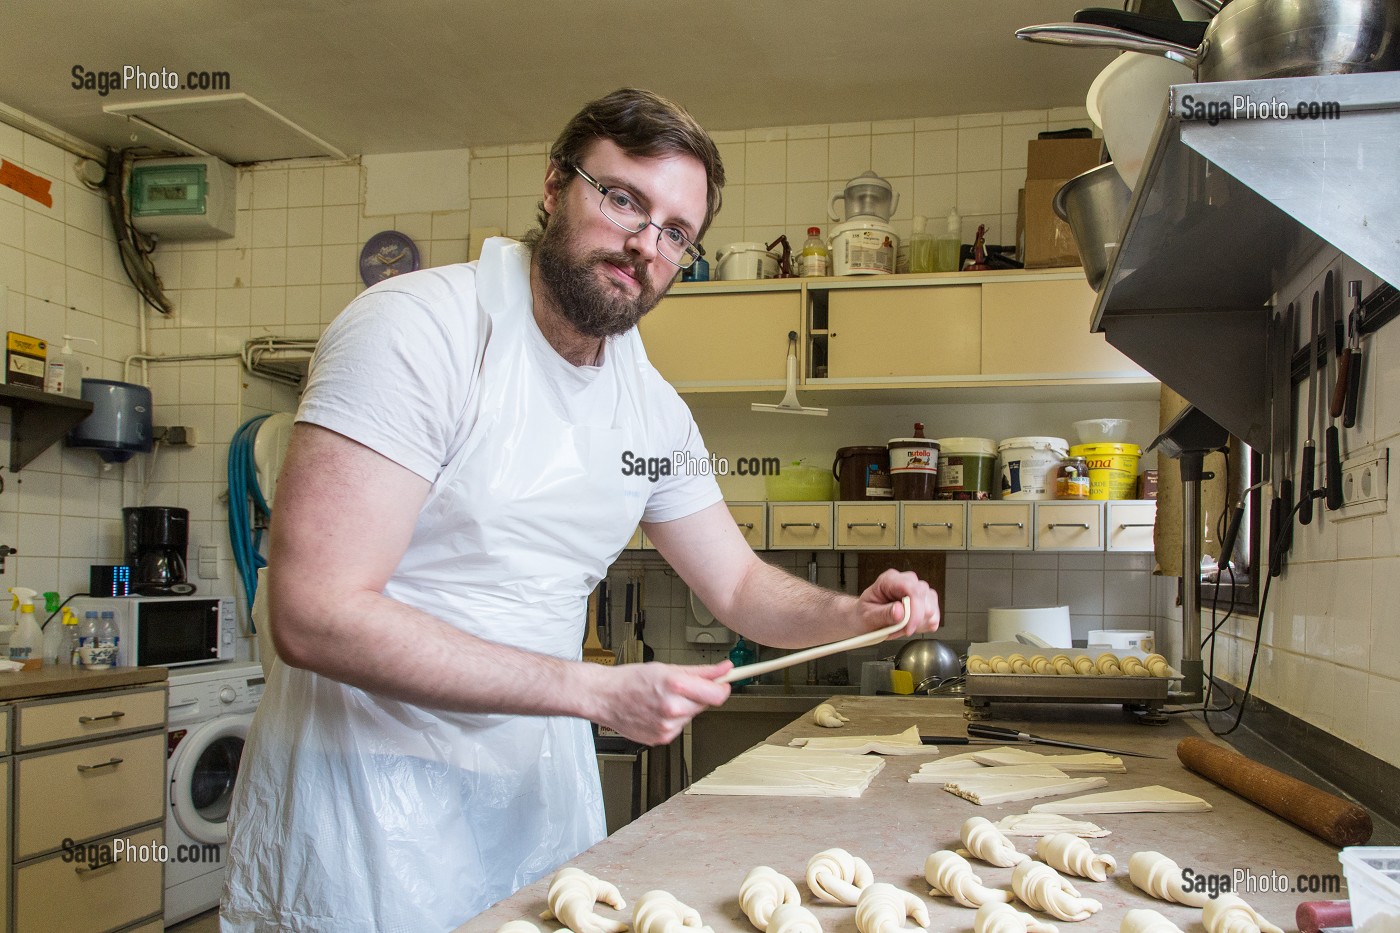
(986, 842)
(837, 876)
(1042, 888)
(764, 890)
(1159, 876)
(882, 908)
(793, 918)
(951, 876)
(1040, 664)
(660, 912)
(826, 715)
(1068, 853)
(1108, 664)
(1228, 913)
(976, 664)
(1019, 664)
(1084, 665)
(572, 895)
(1062, 664)
(1003, 918)
(1157, 665)
(1132, 667)
(518, 926)
(1147, 921)
(1000, 665)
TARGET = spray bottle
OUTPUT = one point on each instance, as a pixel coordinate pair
(28, 640)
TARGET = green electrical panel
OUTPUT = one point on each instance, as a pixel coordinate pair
(184, 198)
(157, 191)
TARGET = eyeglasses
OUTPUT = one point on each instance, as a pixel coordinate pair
(622, 209)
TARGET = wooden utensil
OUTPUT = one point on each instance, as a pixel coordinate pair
(593, 649)
(820, 651)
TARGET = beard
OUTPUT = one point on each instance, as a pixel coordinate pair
(595, 306)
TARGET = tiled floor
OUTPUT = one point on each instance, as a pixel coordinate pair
(207, 922)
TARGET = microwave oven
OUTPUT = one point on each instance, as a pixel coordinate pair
(167, 631)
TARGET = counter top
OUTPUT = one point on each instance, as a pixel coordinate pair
(56, 680)
(700, 847)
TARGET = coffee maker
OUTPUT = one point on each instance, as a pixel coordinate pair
(156, 539)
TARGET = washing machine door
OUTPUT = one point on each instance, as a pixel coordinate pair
(203, 769)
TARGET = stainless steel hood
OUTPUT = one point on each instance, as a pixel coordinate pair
(1225, 213)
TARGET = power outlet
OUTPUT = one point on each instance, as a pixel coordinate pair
(208, 562)
(1365, 479)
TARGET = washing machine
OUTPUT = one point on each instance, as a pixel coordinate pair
(210, 708)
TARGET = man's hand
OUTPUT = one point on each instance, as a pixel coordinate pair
(882, 604)
(651, 703)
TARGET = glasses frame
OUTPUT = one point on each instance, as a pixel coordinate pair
(646, 222)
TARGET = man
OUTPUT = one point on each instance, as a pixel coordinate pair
(452, 494)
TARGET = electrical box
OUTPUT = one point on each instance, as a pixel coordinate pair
(193, 198)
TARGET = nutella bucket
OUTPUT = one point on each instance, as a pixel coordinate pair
(914, 466)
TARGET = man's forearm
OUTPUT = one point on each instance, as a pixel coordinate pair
(784, 611)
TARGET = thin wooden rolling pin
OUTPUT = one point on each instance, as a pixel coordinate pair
(1339, 821)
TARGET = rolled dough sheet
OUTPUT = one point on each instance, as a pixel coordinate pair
(985, 789)
(778, 771)
(905, 743)
(1089, 762)
(1045, 824)
(1151, 799)
(958, 770)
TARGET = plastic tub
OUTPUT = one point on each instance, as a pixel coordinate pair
(863, 473)
(1102, 430)
(742, 261)
(1112, 469)
(966, 467)
(914, 466)
(1028, 466)
(1373, 883)
(797, 483)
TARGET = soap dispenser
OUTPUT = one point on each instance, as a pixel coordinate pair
(64, 375)
(741, 654)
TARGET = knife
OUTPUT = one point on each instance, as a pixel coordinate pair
(956, 740)
(1011, 735)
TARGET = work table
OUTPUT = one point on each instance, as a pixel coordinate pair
(61, 679)
(700, 847)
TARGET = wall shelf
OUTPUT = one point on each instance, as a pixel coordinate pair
(38, 420)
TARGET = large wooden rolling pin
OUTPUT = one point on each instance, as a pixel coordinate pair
(1339, 821)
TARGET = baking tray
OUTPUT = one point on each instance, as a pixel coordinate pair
(1145, 696)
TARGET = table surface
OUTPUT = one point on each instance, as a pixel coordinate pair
(700, 847)
(59, 679)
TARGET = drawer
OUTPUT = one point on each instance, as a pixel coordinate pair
(867, 526)
(5, 714)
(77, 898)
(1069, 526)
(49, 722)
(88, 791)
(752, 519)
(999, 526)
(802, 527)
(635, 542)
(933, 526)
(5, 841)
(154, 926)
(1130, 523)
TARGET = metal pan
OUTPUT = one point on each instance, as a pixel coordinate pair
(1263, 39)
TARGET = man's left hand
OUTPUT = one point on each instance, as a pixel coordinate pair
(882, 604)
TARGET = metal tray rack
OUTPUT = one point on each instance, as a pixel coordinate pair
(1143, 696)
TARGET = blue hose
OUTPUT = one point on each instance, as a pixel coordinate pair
(242, 513)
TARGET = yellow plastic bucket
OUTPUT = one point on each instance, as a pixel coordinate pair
(1112, 469)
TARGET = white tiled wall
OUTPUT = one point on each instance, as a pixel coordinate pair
(1330, 642)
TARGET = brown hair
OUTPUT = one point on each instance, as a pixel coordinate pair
(641, 124)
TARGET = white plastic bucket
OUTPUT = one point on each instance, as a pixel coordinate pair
(1028, 466)
(1049, 623)
(1138, 642)
(739, 261)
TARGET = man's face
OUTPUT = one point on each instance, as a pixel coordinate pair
(602, 278)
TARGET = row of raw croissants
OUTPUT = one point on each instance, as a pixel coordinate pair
(1107, 664)
(773, 903)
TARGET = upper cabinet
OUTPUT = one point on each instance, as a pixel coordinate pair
(722, 337)
(1032, 329)
(903, 333)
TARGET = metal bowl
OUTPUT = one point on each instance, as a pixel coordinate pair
(1095, 205)
(929, 661)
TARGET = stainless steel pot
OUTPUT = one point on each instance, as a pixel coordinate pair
(1095, 205)
(1263, 39)
(930, 662)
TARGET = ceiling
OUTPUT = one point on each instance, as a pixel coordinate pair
(415, 75)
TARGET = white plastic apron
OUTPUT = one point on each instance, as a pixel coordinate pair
(358, 814)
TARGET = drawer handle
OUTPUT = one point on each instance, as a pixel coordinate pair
(89, 869)
(879, 525)
(109, 763)
(1003, 525)
(748, 525)
(1137, 525)
(800, 525)
(948, 525)
(115, 714)
(1084, 525)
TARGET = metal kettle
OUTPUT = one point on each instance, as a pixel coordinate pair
(866, 195)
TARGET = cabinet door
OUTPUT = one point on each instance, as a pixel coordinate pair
(722, 339)
(999, 526)
(5, 843)
(800, 527)
(77, 897)
(867, 526)
(1130, 523)
(933, 526)
(752, 519)
(904, 333)
(1042, 328)
(1069, 526)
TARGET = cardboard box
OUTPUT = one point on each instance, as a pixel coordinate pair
(1049, 164)
(26, 360)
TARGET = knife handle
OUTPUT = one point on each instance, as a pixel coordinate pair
(1275, 538)
(1334, 471)
(1339, 391)
(1285, 532)
(993, 732)
(1353, 389)
(1305, 506)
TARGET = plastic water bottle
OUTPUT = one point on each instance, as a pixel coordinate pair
(108, 638)
(68, 640)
